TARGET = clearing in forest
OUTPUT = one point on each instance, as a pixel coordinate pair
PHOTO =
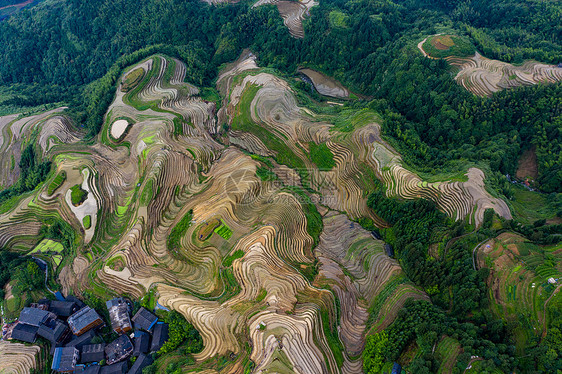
(528, 167)
(442, 46)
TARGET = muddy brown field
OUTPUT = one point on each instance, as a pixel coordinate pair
(528, 165)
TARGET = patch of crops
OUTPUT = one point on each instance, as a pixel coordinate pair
(321, 155)
(224, 231)
(57, 182)
(441, 46)
(179, 231)
(132, 79)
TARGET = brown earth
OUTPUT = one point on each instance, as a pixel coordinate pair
(528, 165)
(442, 42)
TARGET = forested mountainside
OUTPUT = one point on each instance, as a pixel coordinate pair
(316, 187)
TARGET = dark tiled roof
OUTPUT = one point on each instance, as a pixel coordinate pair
(119, 368)
(144, 320)
(119, 315)
(79, 341)
(78, 302)
(159, 336)
(92, 353)
(83, 320)
(92, 369)
(34, 316)
(54, 331)
(142, 343)
(63, 308)
(24, 333)
(141, 362)
(119, 349)
(64, 359)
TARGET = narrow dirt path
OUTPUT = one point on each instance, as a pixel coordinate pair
(474, 250)
(544, 310)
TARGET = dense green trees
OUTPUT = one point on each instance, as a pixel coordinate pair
(181, 331)
(32, 173)
(373, 355)
(9, 265)
(425, 324)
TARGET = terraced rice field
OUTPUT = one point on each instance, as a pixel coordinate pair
(16, 358)
(325, 85)
(518, 280)
(483, 76)
(244, 266)
(50, 249)
(447, 350)
(292, 12)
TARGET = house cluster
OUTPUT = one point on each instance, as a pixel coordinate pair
(70, 326)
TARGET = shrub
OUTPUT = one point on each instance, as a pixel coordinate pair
(78, 195)
(87, 222)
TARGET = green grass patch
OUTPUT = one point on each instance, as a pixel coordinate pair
(13, 304)
(338, 19)
(441, 46)
(56, 183)
(332, 338)
(116, 263)
(149, 300)
(147, 193)
(224, 231)
(231, 286)
(349, 119)
(179, 231)
(265, 174)
(261, 295)
(178, 127)
(211, 94)
(47, 246)
(77, 195)
(529, 206)
(230, 259)
(321, 155)
(314, 224)
(87, 222)
(49, 250)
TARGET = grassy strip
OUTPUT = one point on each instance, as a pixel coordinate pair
(56, 183)
(230, 259)
(321, 155)
(179, 231)
(132, 79)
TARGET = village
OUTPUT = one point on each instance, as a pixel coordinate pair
(72, 330)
